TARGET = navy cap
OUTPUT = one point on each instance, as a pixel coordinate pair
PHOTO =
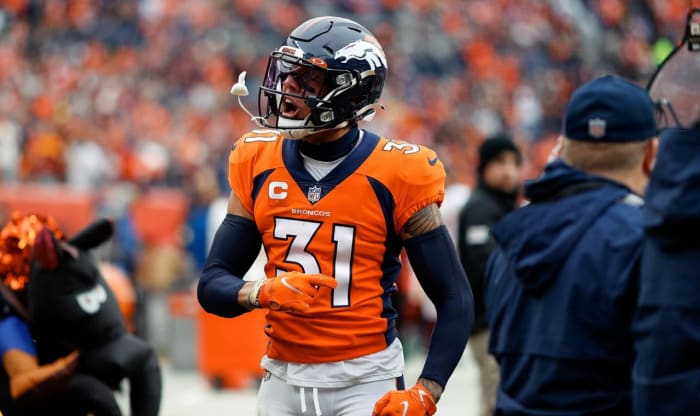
(610, 109)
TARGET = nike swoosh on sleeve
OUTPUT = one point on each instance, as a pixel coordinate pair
(432, 162)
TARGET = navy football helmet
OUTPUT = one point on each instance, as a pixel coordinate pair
(339, 68)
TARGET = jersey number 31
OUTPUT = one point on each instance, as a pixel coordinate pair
(343, 239)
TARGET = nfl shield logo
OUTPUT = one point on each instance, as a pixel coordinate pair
(596, 128)
(314, 194)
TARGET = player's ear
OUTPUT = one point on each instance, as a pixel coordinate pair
(650, 152)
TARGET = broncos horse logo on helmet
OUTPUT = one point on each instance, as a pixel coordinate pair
(363, 50)
(340, 54)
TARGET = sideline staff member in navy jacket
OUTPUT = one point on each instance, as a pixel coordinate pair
(666, 374)
(561, 287)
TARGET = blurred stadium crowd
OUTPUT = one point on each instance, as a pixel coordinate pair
(98, 94)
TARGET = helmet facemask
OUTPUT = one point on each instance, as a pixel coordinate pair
(318, 88)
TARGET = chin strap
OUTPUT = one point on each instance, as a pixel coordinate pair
(296, 134)
(365, 113)
(368, 112)
(295, 129)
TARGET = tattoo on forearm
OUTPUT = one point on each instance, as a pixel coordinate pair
(433, 387)
(422, 221)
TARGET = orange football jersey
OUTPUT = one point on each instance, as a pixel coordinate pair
(345, 225)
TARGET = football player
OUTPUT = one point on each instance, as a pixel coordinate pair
(333, 205)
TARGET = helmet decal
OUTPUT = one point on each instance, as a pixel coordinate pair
(363, 50)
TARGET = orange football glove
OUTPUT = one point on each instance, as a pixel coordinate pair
(290, 291)
(416, 401)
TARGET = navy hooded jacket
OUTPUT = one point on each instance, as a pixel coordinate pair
(560, 295)
(666, 374)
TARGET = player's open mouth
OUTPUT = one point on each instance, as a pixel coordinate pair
(289, 109)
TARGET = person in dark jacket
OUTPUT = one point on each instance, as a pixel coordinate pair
(495, 196)
(666, 375)
(666, 328)
(561, 288)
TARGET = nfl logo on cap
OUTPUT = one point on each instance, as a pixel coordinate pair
(596, 128)
(314, 194)
(610, 109)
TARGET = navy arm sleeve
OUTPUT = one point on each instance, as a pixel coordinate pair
(440, 274)
(235, 247)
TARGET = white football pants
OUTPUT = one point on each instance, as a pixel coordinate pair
(277, 398)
